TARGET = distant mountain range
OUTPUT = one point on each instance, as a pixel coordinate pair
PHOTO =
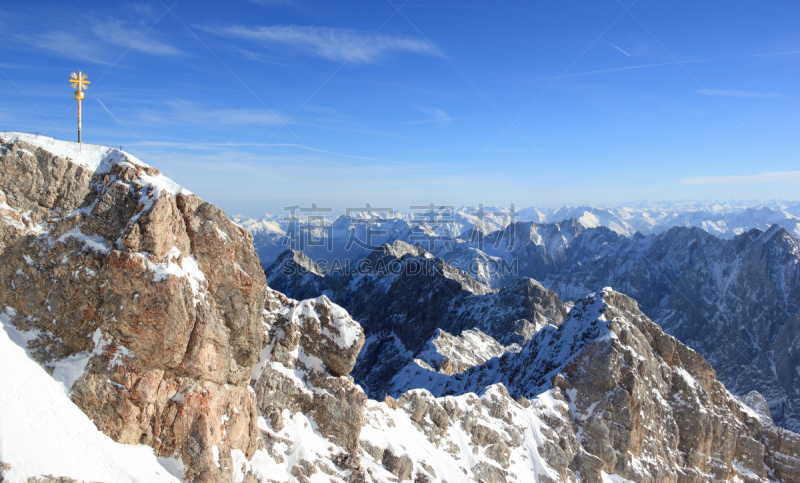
(707, 272)
(275, 233)
(736, 301)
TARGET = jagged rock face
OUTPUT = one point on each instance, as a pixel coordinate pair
(467, 437)
(309, 349)
(661, 415)
(403, 295)
(455, 354)
(510, 316)
(758, 403)
(736, 301)
(397, 249)
(416, 295)
(143, 300)
(296, 274)
(536, 246)
(644, 405)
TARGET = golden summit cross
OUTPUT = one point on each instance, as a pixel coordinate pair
(79, 81)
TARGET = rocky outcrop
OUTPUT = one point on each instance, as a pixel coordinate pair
(644, 406)
(309, 349)
(455, 354)
(144, 301)
(651, 409)
(737, 302)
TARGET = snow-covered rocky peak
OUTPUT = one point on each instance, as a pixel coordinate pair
(452, 354)
(402, 260)
(93, 160)
(327, 334)
(396, 249)
(296, 274)
(644, 406)
(311, 412)
(142, 300)
(294, 261)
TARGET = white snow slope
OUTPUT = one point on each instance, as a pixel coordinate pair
(43, 433)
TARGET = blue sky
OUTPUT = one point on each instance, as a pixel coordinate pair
(256, 105)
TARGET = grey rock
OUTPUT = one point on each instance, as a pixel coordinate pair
(316, 329)
(758, 403)
(399, 465)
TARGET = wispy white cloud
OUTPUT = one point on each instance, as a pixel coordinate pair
(97, 41)
(119, 34)
(436, 115)
(299, 147)
(66, 44)
(269, 58)
(185, 112)
(761, 178)
(328, 43)
(460, 6)
(729, 93)
(661, 64)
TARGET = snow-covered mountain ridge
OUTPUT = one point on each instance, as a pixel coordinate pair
(424, 302)
(142, 301)
(735, 301)
(167, 358)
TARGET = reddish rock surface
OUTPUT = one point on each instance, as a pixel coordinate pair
(145, 301)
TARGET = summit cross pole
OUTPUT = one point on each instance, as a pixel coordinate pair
(78, 81)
